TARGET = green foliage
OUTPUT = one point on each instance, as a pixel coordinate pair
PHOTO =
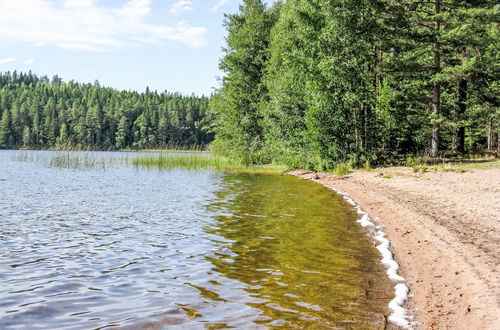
(196, 162)
(318, 82)
(237, 104)
(342, 169)
(413, 161)
(307, 83)
(368, 167)
(38, 113)
(5, 129)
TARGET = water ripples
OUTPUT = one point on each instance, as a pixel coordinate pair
(134, 249)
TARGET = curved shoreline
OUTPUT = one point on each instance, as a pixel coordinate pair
(444, 231)
(399, 315)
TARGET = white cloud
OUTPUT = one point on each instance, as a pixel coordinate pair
(86, 25)
(29, 61)
(219, 4)
(79, 3)
(180, 6)
(7, 60)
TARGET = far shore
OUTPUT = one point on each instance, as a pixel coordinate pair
(444, 229)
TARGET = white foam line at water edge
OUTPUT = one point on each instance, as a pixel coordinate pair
(399, 315)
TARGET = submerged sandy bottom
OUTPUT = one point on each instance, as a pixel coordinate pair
(444, 231)
(120, 247)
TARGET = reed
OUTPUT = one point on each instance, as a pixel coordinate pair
(73, 159)
(68, 160)
(191, 161)
(197, 162)
(77, 159)
(171, 148)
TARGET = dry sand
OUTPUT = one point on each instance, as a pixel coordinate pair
(444, 230)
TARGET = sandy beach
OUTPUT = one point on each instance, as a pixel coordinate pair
(444, 232)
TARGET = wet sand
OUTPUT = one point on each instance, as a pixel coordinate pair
(444, 230)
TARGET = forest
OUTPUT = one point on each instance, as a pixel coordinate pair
(311, 83)
(39, 113)
(306, 83)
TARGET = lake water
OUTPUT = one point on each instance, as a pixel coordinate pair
(107, 245)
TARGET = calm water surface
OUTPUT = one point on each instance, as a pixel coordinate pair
(110, 246)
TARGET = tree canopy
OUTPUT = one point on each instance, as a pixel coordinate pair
(314, 82)
(37, 112)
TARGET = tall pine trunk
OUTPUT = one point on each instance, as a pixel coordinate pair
(436, 93)
(490, 135)
(461, 107)
(498, 144)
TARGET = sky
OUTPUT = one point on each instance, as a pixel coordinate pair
(172, 45)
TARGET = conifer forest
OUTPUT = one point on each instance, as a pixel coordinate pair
(39, 113)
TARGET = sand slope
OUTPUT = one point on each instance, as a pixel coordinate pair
(444, 228)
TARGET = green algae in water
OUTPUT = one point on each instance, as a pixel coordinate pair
(298, 248)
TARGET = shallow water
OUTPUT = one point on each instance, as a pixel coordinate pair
(112, 246)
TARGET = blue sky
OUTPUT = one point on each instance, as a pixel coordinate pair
(172, 45)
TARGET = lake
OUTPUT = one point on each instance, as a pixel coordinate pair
(101, 244)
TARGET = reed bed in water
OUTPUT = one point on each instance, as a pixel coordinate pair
(81, 160)
(68, 160)
(197, 162)
(72, 159)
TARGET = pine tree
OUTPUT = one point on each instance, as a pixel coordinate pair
(27, 137)
(5, 130)
(122, 134)
(55, 113)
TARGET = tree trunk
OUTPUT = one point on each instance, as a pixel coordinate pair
(498, 144)
(436, 94)
(489, 132)
(461, 107)
(365, 128)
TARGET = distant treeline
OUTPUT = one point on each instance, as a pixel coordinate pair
(314, 82)
(37, 112)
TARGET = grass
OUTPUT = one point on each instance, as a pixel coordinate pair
(198, 162)
(464, 167)
(82, 160)
(223, 164)
(342, 169)
(86, 160)
(484, 165)
(71, 159)
(67, 160)
(458, 167)
(172, 148)
(368, 167)
(166, 150)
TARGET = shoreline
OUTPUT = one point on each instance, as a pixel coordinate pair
(444, 232)
(399, 315)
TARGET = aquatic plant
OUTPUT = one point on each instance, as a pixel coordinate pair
(172, 148)
(74, 160)
(195, 162)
